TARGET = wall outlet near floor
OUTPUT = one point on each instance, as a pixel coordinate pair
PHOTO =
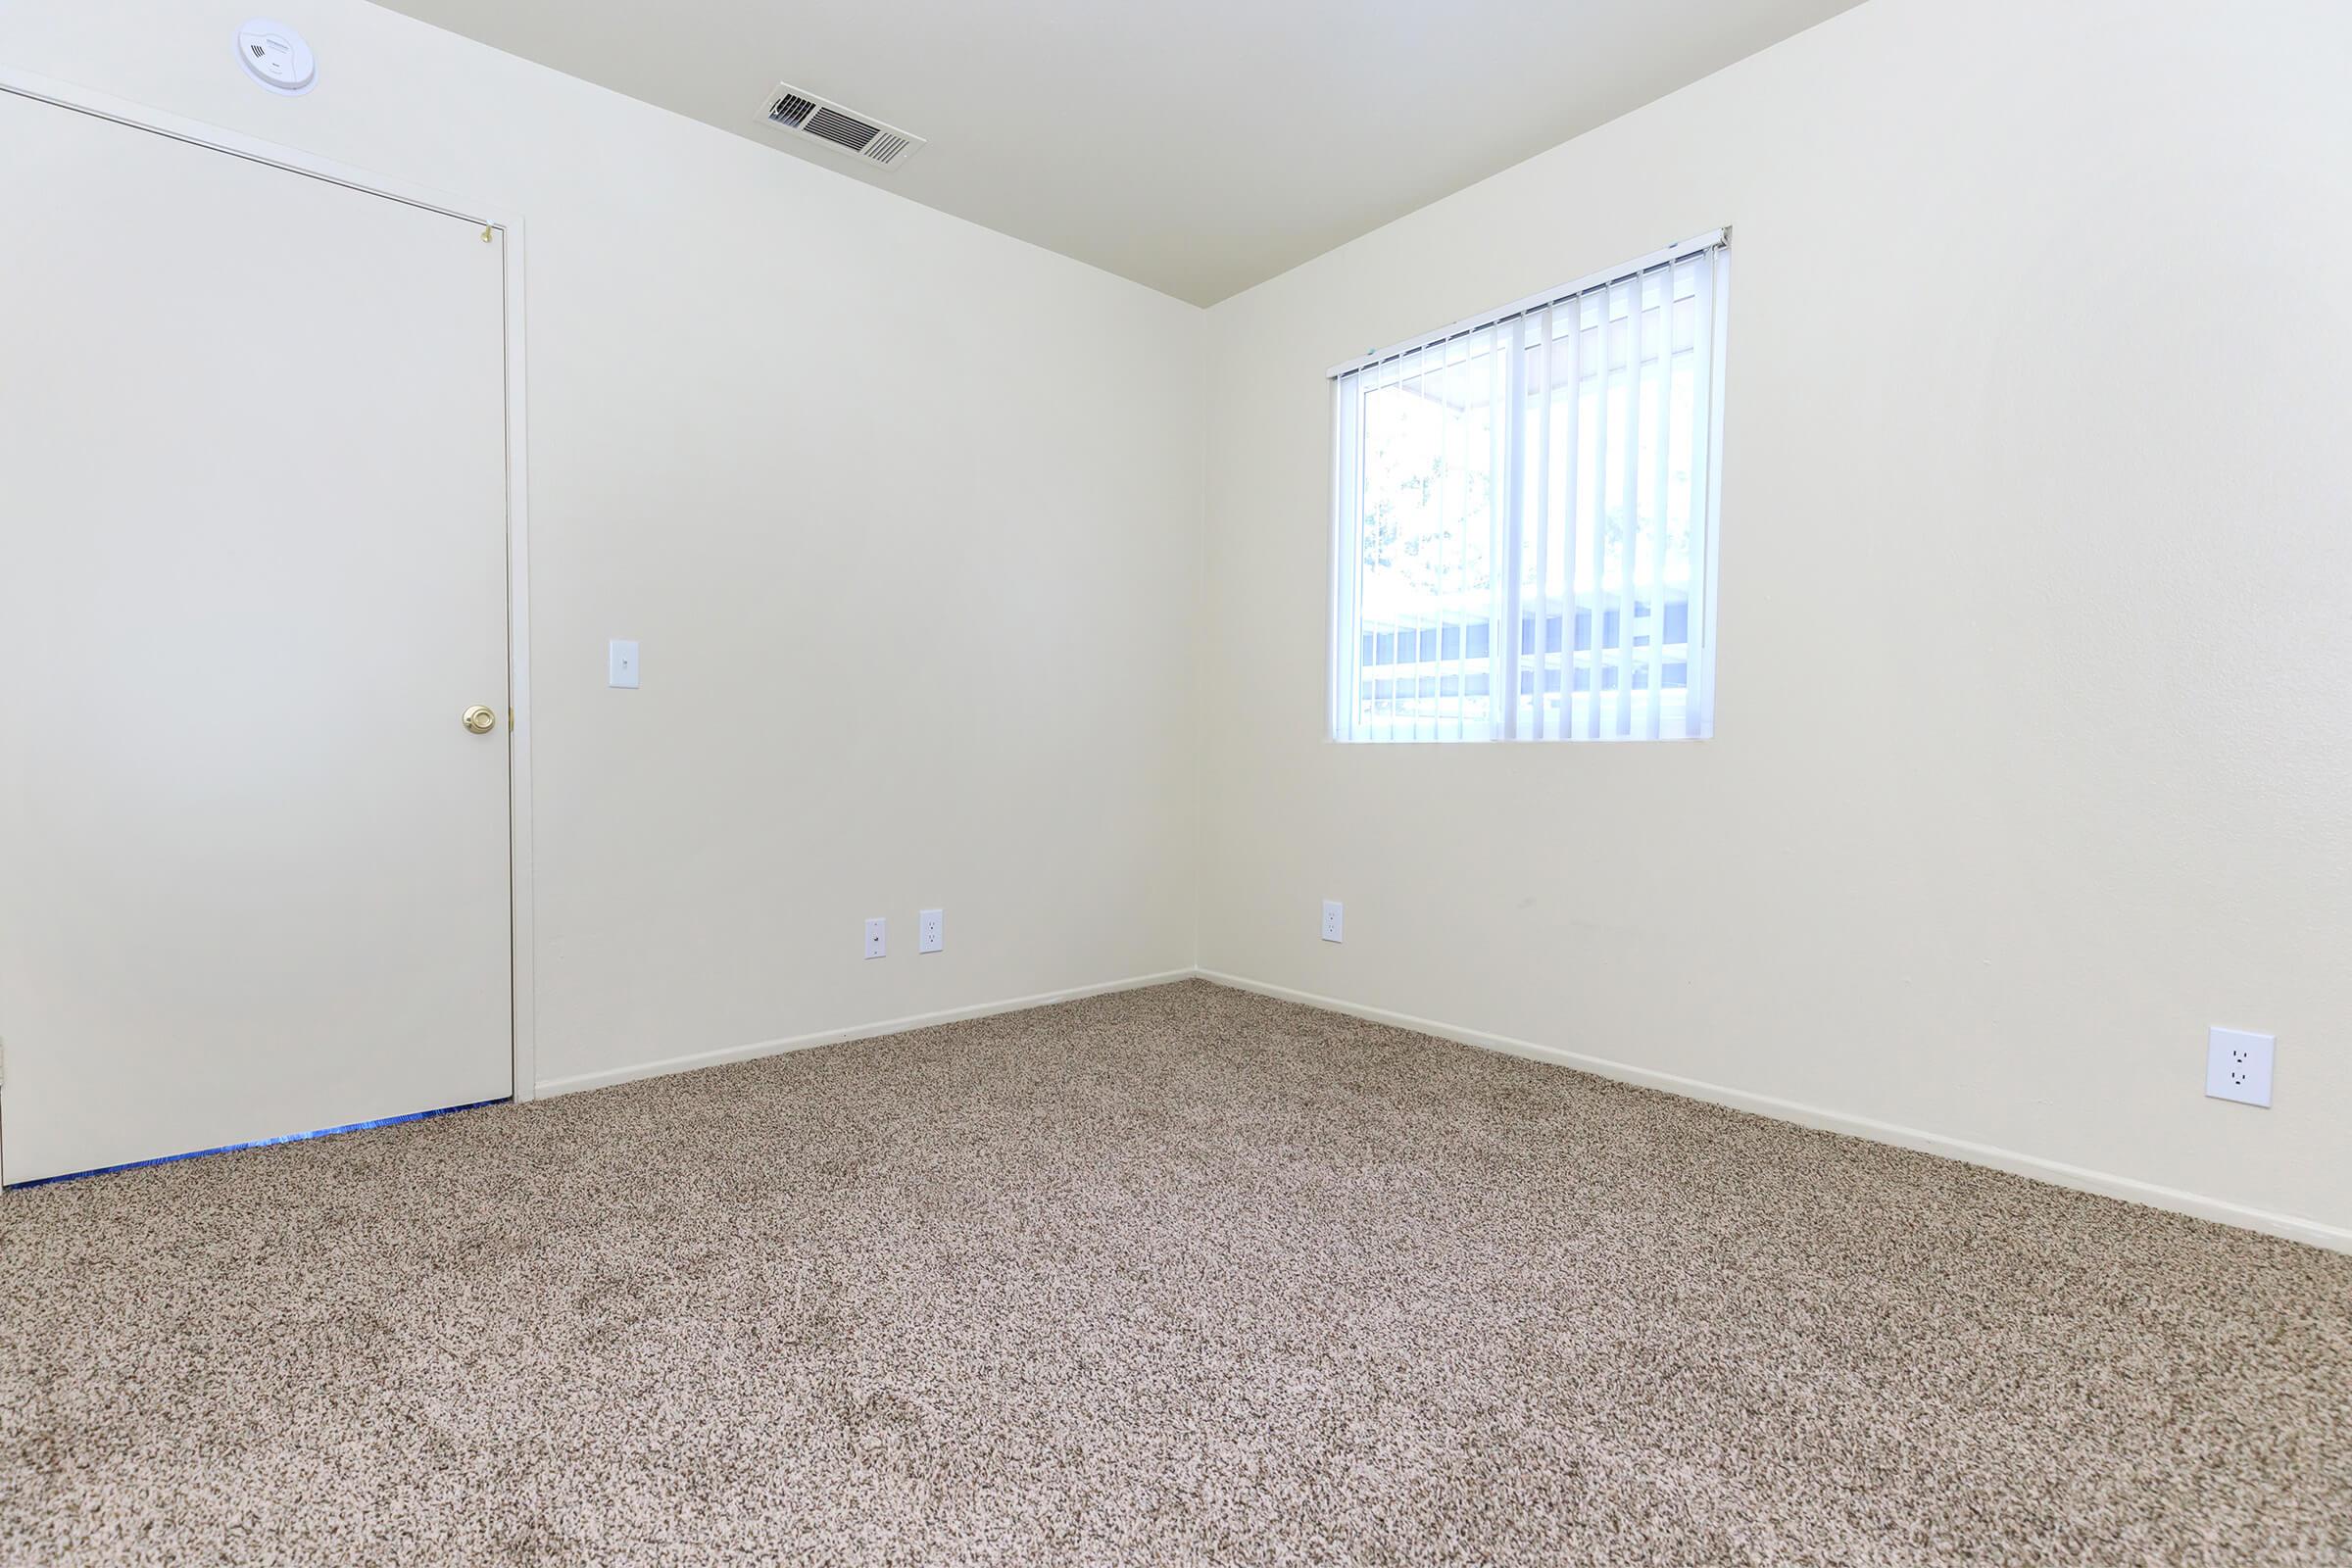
(2238, 1065)
(930, 930)
(876, 937)
(1331, 919)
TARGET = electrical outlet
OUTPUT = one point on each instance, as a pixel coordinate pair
(1331, 919)
(876, 933)
(930, 930)
(2238, 1065)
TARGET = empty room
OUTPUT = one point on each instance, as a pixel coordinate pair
(1521, 782)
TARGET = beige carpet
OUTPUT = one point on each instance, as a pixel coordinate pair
(1177, 1276)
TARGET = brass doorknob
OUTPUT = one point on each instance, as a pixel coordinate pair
(480, 720)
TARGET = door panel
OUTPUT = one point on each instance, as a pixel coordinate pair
(253, 868)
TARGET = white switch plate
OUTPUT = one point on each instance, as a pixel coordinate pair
(621, 663)
(1331, 919)
(930, 930)
(2238, 1065)
(876, 934)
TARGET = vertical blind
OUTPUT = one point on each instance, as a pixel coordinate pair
(1524, 517)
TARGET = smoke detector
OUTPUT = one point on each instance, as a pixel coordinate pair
(845, 130)
(278, 57)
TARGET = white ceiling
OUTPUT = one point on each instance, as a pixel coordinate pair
(1199, 146)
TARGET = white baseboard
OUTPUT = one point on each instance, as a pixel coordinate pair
(2197, 1205)
(2295, 1227)
(834, 1037)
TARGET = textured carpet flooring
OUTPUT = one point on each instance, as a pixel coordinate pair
(1176, 1276)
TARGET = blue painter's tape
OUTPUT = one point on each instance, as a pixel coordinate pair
(259, 1143)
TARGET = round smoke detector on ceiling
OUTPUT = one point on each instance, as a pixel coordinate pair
(277, 56)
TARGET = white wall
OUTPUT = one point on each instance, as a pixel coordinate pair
(2034, 742)
(2031, 753)
(914, 564)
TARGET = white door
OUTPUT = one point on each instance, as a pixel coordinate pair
(252, 863)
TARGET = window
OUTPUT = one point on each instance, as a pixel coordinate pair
(1523, 510)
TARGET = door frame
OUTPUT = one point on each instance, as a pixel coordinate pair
(503, 216)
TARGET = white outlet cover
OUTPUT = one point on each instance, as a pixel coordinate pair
(1331, 921)
(2238, 1065)
(877, 937)
(930, 930)
(621, 664)
(278, 57)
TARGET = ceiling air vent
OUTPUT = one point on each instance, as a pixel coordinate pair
(805, 114)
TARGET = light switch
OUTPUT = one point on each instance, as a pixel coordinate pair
(621, 663)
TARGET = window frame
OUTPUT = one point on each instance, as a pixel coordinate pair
(1342, 675)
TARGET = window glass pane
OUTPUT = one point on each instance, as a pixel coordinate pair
(1432, 525)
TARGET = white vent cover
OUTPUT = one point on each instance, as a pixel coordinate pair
(805, 114)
